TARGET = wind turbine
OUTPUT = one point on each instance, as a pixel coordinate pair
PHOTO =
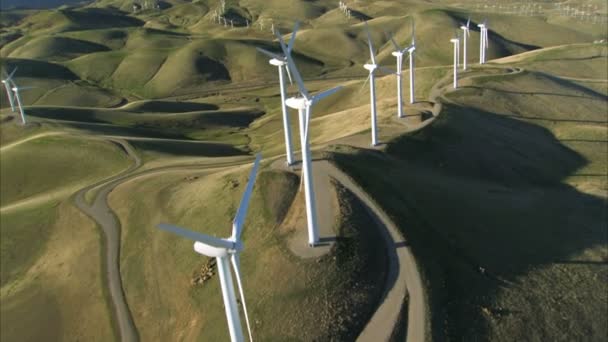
(398, 53)
(465, 34)
(456, 42)
(224, 249)
(372, 67)
(280, 61)
(16, 90)
(483, 41)
(303, 104)
(8, 79)
(411, 50)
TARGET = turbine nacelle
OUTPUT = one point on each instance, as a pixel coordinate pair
(277, 62)
(217, 252)
(298, 102)
(455, 40)
(397, 53)
(370, 67)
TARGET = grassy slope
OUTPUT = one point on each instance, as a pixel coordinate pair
(60, 163)
(517, 169)
(280, 289)
(58, 293)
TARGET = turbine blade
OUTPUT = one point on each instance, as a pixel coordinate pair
(468, 21)
(24, 88)
(289, 75)
(195, 236)
(12, 73)
(364, 83)
(269, 54)
(239, 218)
(293, 37)
(397, 47)
(369, 42)
(291, 65)
(413, 32)
(320, 96)
(236, 265)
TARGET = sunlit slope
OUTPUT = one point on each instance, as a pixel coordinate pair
(56, 164)
(55, 49)
(54, 84)
(279, 288)
(52, 287)
(576, 61)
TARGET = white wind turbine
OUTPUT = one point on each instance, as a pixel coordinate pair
(466, 33)
(7, 81)
(483, 41)
(398, 53)
(223, 249)
(303, 104)
(16, 90)
(411, 50)
(280, 61)
(456, 42)
(372, 67)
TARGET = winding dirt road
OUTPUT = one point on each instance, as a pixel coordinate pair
(100, 211)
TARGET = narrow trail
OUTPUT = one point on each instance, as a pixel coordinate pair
(103, 215)
(100, 212)
(403, 276)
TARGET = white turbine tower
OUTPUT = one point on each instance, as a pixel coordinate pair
(7, 81)
(303, 104)
(372, 67)
(280, 61)
(398, 53)
(456, 42)
(466, 33)
(16, 90)
(483, 41)
(223, 249)
(411, 50)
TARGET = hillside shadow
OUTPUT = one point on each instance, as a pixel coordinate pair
(37, 69)
(481, 197)
(186, 148)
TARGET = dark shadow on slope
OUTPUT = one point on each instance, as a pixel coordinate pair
(211, 69)
(99, 18)
(359, 15)
(481, 198)
(171, 107)
(187, 148)
(38, 69)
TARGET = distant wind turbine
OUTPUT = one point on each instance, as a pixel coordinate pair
(483, 41)
(372, 67)
(398, 53)
(7, 81)
(411, 50)
(456, 42)
(226, 251)
(303, 104)
(280, 61)
(16, 90)
(465, 34)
